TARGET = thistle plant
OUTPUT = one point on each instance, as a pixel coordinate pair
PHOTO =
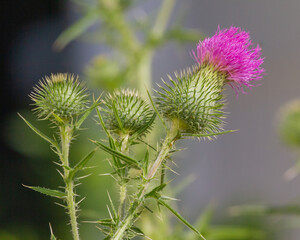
(190, 105)
(63, 101)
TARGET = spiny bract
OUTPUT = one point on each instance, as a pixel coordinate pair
(60, 94)
(194, 100)
(126, 113)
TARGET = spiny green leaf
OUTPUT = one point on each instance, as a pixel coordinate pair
(137, 230)
(155, 109)
(42, 135)
(116, 160)
(106, 222)
(48, 192)
(112, 207)
(180, 217)
(80, 165)
(87, 113)
(76, 30)
(154, 192)
(117, 117)
(102, 122)
(208, 134)
(117, 154)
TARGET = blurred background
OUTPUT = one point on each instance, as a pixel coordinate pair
(251, 166)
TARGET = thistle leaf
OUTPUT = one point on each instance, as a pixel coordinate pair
(117, 154)
(42, 135)
(185, 222)
(102, 123)
(117, 117)
(118, 164)
(47, 191)
(112, 207)
(87, 113)
(80, 165)
(155, 191)
(208, 134)
(155, 109)
(75, 30)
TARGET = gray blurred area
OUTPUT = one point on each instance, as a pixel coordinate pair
(246, 166)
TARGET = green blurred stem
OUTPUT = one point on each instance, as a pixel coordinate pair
(66, 137)
(172, 136)
(144, 71)
(163, 18)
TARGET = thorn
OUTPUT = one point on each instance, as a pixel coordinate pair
(61, 205)
(79, 178)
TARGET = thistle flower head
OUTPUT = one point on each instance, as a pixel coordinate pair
(193, 100)
(59, 94)
(126, 113)
(231, 51)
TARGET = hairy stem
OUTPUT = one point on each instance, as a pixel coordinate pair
(66, 137)
(172, 136)
(123, 185)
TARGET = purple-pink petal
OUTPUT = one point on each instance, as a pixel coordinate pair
(232, 51)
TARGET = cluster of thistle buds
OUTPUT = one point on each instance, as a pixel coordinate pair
(188, 105)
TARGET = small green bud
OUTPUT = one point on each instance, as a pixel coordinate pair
(289, 128)
(59, 94)
(126, 113)
(194, 101)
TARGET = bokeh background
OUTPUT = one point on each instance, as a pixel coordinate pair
(247, 166)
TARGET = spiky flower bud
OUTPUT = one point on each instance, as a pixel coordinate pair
(126, 113)
(60, 95)
(194, 100)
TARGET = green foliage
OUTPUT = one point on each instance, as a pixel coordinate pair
(126, 159)
(194, 100)
(48, 192)
(185, 222)
(289, 127)
(53, 142)
(193, 104)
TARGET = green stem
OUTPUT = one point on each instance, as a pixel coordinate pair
(123, 185)
(66, 137)
(163, 18)
(144, 74)
(144, 71)
(172, 136)
(72, 209)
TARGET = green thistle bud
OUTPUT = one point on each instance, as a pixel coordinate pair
(289, 128)
(60, 95)
(194, 101)
(126, 113)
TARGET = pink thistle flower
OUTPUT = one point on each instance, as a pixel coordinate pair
(231, 51)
